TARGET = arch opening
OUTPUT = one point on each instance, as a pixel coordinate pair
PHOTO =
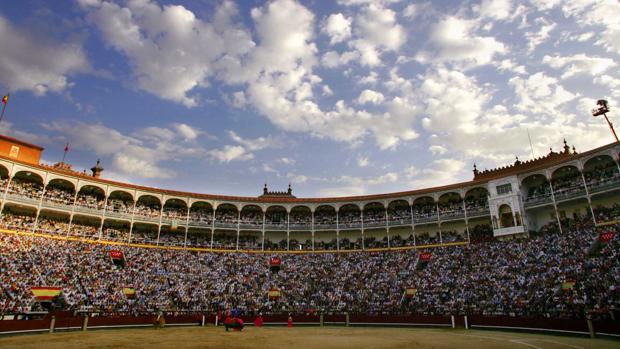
(59, 191)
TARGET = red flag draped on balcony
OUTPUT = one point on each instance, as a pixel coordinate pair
(117, 257)
(603, 239)
(275, 264)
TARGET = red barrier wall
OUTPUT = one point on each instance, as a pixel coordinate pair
(65, 321)
(24, 325)
(401, 319)
(536, 323)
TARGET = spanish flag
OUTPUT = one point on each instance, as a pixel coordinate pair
(568, 285)
(274, 293)
(129, 292)
(5, 99)
(45, 293)
(410, 292)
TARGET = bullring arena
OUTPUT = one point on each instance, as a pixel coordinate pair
(303, 338)
(521, 256)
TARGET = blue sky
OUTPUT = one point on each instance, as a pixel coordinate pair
(338, 98)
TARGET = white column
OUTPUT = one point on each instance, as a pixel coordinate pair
(387, 227)
(337, 233)
(412, 223)
(161, 214)
(212, 226)
(585, 185)
(362, 222)
(238, 227)
(105, 208)
(186, 226)
(36, 219)
(263, 230)
(312, 212)
(288, 231)
(73, 208)
(555, 205)
(133, 215)
(466, 219)
(439, 223)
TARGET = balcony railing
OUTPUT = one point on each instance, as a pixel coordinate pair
(478, 211)
(569, 193)
(605, 184)
(22, 198)
(451, 215)
(432, 217)
(537, 200)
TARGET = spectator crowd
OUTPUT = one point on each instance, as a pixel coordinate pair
(523, 276)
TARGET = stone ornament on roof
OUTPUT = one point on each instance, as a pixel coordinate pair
(519, 165)
(277, 194)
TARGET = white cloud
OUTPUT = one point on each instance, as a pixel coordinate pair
(540, 93)
(496, 9)
(189, 133)
(535, 38)
(579, 64)
(287, 161)
(332, 59)
(170, 50)
(603, 13)
(369, 79)
(229, 153)
(437, 149)
(30, 61)
(439, 171)
(454, 40)
(376, 31)
(139, 155)
(239, 100)
(337, 27)
(370, 96)
(411, 11)
(512, 66)
(254, 144)
(327, 91)
(352, 185)
(363, 161)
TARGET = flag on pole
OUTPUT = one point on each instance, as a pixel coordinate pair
(67, 147)
(5, 99)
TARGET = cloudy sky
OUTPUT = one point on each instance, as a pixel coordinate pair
(338, 98)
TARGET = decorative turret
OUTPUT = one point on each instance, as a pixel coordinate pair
(97, 169)
(518, 165)
(277, 194)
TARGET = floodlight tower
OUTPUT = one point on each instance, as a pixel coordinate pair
(602, 109)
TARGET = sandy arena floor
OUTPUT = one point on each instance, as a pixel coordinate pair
(300, 338)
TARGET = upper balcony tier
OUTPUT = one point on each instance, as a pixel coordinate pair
(93, 194)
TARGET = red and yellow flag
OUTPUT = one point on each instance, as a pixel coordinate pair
(45, 293)
(129, 292)
(274, 293)
(5, 99)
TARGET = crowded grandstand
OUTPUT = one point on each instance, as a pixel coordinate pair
(531, 239)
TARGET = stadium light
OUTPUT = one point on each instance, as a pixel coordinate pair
(602, 108)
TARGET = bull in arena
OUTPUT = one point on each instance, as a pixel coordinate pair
(234, 323)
